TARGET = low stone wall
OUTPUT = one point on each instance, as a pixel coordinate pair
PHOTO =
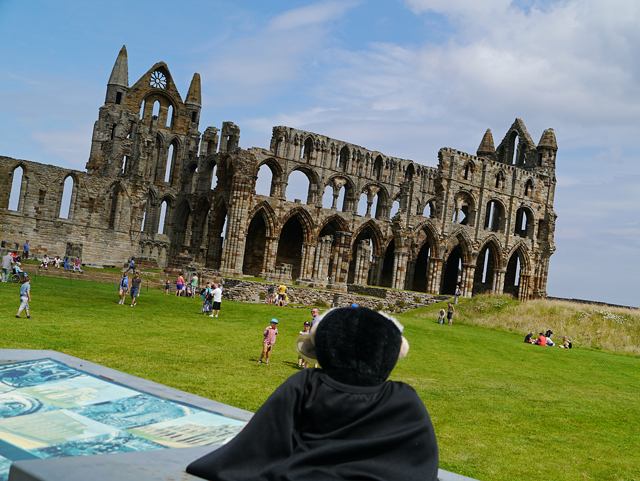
(394, 301)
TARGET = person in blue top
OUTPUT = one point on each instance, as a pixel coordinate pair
(25, 297)
(124, 288)
(25, 249)
(132, 266)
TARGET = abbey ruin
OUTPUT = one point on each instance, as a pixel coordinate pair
(157, 188)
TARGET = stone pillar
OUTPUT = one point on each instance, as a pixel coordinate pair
(399, 269)
(369, 204)
(214, 255)
(308, 254)
(322, 258)
(411, 270)
(498, 281)
(270, 253)
(466, 285)
(433, 275)
(341, 258)
(376, 270)
(523, 290)
(363, 254)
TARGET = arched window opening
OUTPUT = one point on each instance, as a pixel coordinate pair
(113, 211)
(308, 149)
(156, 109)
(462, 214)
(170, 117)
(513, 147)
(363, 204)
(429, 210)
(494, 217)
(468, 170)
(387, 277)
(485, 271)
(144, 103)
(214, 177)
(125, 164)
(143, 226)
(264, 180)
(523, 222)
(408, 175)
(512, 275)
(16, 189)
(452, 270)
(327, 197)
(170, 156)
(297, 187)
(290, 245)
(340, 200)
(421, 270)
(343, 160)
(499, 180)
(394, 208)
(65, 203)
(255, 246)
(113, 131)
(377, 169)
(528, 188)
(118, 98)
(163, 216)
(379, 206)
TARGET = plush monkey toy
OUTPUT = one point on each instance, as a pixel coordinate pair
(344, 421)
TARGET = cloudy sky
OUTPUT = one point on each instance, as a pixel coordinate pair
(405, 77)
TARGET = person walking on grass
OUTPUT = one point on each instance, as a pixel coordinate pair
(7, 262)
(167, 286)
(123, 288)
(25, 297)
(132, 266)
(457, 294)
(194, 285)
(207, 298)
(217, 300)
(135, 288)
(450, 312)
(269, 340)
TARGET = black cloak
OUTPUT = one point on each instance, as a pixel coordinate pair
(316, 428)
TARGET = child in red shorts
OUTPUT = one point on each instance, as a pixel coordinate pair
(269, 335)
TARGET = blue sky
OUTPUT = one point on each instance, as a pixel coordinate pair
(403, 77)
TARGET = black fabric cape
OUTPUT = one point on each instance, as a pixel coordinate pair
(314, 428)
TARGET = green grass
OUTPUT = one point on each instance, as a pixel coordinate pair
(502, 409)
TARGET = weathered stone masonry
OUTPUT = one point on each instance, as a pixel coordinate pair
(485, 221)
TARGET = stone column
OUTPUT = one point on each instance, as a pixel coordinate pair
(363, 254)
(434, 275)
(523, 288)
(498, 281)
(308, 254)
(468, 272)
(376, 270)
(341, 258)
(399, 269)
(411, 270)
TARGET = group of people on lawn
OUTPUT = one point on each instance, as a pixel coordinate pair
(544, 339)
(277, 296)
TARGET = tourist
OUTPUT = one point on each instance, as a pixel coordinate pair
(270, 293)
(45, 262)
(217, 300)
(269, 340)
(76, 265)
(457, 294)
(194, 285)
(179, 285)
(167, 286)
(566, 343)
(282, 290)
(207, 298)
(7, 262)
(542, 340)
(56, 262)
(528, 339)
(123, 288)
(305, 332)
(135, 288)
(65, 263)
(548, 335)
(441, 315)
(25, 297)
(25, 249)
(315, 313)
(450, 312)
(132, 266)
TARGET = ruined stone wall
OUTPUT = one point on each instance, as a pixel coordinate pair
(157, 189)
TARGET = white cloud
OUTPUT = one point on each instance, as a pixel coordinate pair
(315, 14)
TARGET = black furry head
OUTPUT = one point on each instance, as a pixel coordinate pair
(358, 346)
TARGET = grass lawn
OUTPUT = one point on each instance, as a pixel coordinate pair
(502, 409)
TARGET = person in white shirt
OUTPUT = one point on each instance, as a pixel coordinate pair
(217, 300)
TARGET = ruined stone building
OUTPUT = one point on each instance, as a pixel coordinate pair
(156, 187)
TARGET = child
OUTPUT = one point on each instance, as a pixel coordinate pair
(167, 286)
(25, 297)
(450, 312)
(305, 331)
(441, 316)
(269, 335)
(124, 288)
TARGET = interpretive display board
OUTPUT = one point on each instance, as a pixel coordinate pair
(48, 410)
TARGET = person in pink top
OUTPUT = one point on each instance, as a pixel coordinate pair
(269, 335)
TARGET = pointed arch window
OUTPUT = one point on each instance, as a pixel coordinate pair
(66, 199)
(16, 189)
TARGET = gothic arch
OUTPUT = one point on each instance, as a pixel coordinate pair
(270, 217)
(430, 232)
(377, 238)
(342, 224)
(306, 221)
(489, 260)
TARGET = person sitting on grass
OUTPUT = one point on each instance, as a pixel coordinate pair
(56, 262)
(25, 297)
(45, 262)
(528, 339)
(76, 265)
(65, 263)
(269, 340)
(566, 343)
(542, 340)
(547, 336)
